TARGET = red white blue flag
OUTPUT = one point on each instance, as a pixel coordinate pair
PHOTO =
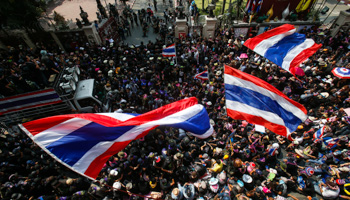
(84, 142)
(258, 8)
(28, 100)
(202, 76)
(169, 51)
(253, 7)
(248, 6)
(252, 99)
(283, 46)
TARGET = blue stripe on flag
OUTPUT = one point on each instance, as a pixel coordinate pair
(70, 149)
(278, 51)
(197, 124)
(172, 50)
(261, 102)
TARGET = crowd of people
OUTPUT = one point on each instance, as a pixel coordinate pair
(236, 162)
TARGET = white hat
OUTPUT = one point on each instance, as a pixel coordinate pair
(247, 178)
(105, 61)
(117, 185)
(275, 145)
(113, 172)
(272, 170)
(209, 103)
(213, 181)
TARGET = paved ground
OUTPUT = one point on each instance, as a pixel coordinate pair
(333, 14)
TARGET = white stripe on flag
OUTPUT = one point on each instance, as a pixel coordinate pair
(296, 51)
(232, 80)
(241, 107)
(57, 132)
(264, 45)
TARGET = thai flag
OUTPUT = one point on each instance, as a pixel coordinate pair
(252, 99)
(84, 142)
(203, 75)
(252, 8)
(283, 46)
(28, 100)
(248, 6)
(319, 133)
(258, 8)
(169, 51)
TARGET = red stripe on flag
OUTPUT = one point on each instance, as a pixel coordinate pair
(27, 94)
(112, 122)
(253, 42)
(261, 83)
(45, 123)
(302, 56)
(276, 128)
(95, 166)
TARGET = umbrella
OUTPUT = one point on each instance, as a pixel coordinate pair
(341, 72)
(243, 55)
(297, 71)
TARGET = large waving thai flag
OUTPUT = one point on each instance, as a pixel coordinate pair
(169, 51)
(283, 46)
(84, 142)
(203, 75)
(252, 99)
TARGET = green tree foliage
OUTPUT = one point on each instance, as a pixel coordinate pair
(21, 13)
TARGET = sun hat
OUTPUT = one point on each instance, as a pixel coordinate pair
(187, 192)
(222, 177)
(247, 178)
(251, 166)
(113, 172)
(309, 171)
(203, 185)
(240, 183)
(175, 193)
(213, 181)
(69, 181)
(117, 185)
(122, 154)
(214, 184)
(128, 186)
(340, 181)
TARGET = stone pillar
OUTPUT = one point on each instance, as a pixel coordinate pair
(27, 40)
(2, 45)
(181, 27)
(209, 26)
(92, 34)
(344, 17)
(58, 42)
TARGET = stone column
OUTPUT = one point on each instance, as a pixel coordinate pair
(344, 17)
(58, 42)
(181, 27)
(92, 34)
(209, 26)
(27, 40)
